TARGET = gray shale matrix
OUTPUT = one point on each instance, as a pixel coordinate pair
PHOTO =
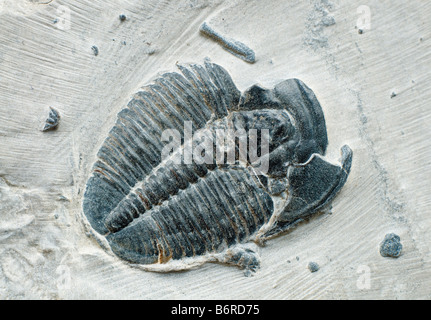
(155, 213)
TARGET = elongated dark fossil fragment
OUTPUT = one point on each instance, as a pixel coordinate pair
(154, 210)
(236, 48)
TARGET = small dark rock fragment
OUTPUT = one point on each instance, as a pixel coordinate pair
(53, 120)
(360, 31)
(313, 267)
(95, 50)
(391, 246)
(122, 17)
(393, 95)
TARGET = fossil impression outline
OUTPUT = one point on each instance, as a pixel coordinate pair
(160, 213)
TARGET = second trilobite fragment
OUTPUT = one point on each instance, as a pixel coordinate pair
(156, 209)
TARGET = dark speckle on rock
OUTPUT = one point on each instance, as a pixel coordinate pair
(122, 17)
(313, 267)
(360, 31)
(391, 246)
(95, 50)
(393, 95)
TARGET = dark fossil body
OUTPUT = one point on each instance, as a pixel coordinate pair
(153, 211)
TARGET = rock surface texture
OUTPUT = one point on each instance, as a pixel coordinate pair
(367, 65)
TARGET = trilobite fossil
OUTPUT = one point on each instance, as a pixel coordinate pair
(159, 211)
